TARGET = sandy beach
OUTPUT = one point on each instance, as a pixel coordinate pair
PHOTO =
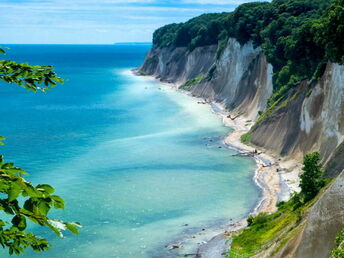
(277, 178)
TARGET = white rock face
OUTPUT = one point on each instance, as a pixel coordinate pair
(232, 65)
(177, 65)
(241, 79)
(322, 110)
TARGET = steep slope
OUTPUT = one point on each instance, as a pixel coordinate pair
(325, 220)
(240, 79)
(177, 65)
(310, 120)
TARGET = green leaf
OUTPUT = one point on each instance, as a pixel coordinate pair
(19, 222)
(43, 207)
(73, 227)
(2, 51)
(59, 203)
(13, 192)
(31, 191)
(47, 188)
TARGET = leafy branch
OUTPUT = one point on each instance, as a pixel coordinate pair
(35, 78)
(37, 202)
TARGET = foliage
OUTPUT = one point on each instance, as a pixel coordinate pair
(192, 82)
(29, 77)
(312, 178)
(247, 21)
(338, 251)
(165, 36)
(221, 48)
(265, 229)
(200, 31)
(260, 219)
(20, 201)
(23, 201)
(245, 138)
(329, 31)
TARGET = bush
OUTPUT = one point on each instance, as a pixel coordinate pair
(260, 219)
(192, 82)
(312, 178)
(245, 138)
(338, 251)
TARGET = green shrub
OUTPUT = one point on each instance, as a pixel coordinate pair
(221, 48)
(312, 178)
(260, 219)
(191, 82)
(245, 138)
(338, 251)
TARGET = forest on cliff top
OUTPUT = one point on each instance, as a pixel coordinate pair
(298, 37)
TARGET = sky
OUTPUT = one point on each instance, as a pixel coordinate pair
(97, 21)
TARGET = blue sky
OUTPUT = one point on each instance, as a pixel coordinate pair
(96, 21)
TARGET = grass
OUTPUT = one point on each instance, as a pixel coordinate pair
(265, 230)
(143, 73)
(271, 230)
(272, 109)
(188, 85)
(260, 234)
(246, 137)
(221, 48)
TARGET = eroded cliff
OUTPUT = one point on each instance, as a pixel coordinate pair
(239, 78)
(311, 119)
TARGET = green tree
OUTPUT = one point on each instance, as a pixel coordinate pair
(338, 251)
(312, 178)
(21, 201)
(329, 31)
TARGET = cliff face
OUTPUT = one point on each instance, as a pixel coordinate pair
(312, 121)
(240, 78)
(177, 65)
(325, 220)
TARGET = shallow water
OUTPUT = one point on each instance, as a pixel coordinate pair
(134, 160)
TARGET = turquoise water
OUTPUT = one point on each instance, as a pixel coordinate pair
(134, 160)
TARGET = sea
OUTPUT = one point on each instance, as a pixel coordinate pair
(139, 164)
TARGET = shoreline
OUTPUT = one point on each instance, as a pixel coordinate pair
(277, 178)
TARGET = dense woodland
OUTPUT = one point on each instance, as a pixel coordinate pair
(298, 37)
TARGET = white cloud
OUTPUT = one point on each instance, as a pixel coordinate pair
(95, 21)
